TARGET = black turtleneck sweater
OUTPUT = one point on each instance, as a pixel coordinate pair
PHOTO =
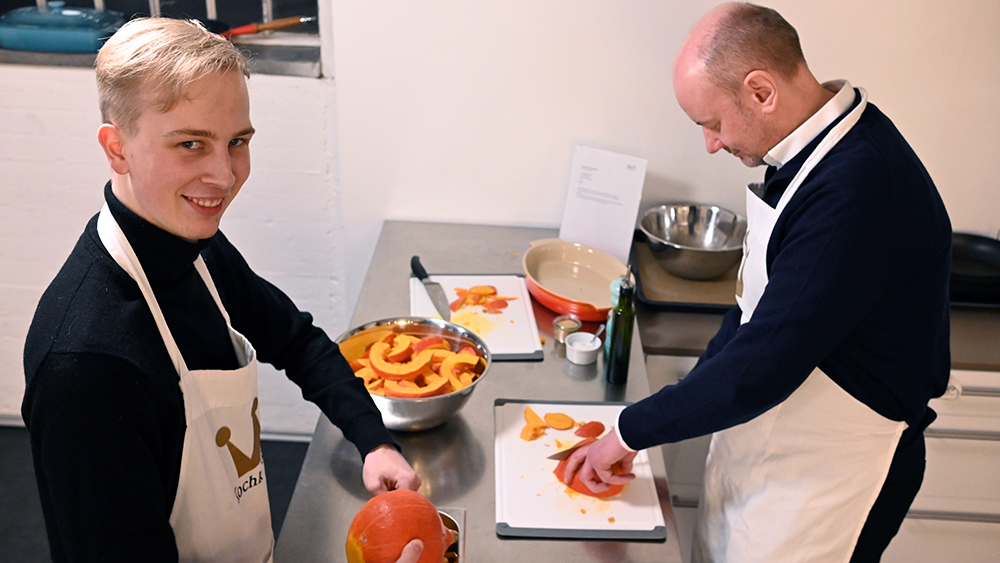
(103, 405)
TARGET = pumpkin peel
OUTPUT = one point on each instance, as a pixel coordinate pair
(388, 521)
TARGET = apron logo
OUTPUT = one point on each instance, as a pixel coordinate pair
(242, 461)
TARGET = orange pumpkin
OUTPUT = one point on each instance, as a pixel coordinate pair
(387, 522)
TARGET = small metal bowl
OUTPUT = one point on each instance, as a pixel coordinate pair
(694, 241)
(423, 413)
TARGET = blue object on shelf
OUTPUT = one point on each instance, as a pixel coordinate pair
(58, 29)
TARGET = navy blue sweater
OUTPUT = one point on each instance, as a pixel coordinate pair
(103, 404)
(858, 268)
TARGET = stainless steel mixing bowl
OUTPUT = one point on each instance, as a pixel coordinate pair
(694, 241)
(423, 413)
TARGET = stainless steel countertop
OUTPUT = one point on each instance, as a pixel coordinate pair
(456, 460)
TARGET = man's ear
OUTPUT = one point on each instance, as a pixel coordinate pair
(761, 88)
(113, 142)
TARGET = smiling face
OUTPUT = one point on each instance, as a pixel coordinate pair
(182, 168)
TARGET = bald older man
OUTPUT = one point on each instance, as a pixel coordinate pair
(816, 387)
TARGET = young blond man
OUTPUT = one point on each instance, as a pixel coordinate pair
(141, 359)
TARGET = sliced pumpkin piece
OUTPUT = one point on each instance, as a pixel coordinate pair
(483, 290)
(357, 346)
(532, 431)
(559, 421)
(456, 383)
(367, 374)
(359, 363)
(437, 356)
(393, 370)
(435, 342)
(376, 385)
(592, 429)
(532, 418)
(401, 350)
(468, 350)
(428, 384)
(460, 362)
(534, 426)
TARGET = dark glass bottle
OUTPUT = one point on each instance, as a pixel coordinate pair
(622, 321)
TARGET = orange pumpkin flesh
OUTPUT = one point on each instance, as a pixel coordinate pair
(592, 429)
(459, 362)
(396, 371)
(534, 426)
(420, 367)
(387, 522)
(401, 349)
(435, 342)
(578, 485)
(532, 418)
(559, 421)
(428, 384)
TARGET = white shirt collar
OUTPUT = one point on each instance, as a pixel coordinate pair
(805, 133)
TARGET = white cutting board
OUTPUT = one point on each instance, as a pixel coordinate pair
(510, 334)
(531, 502)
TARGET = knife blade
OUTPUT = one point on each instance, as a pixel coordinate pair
(563, 454)
(434, 289)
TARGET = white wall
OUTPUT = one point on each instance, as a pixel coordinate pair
(51, 171)
(468, 111)
(465, 111)
(286, 220)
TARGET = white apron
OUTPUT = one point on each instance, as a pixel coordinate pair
(221, 511)
(796, 483)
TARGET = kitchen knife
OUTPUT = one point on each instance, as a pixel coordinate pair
(434, 289)
(563, 454)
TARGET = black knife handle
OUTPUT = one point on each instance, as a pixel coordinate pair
(418, 268)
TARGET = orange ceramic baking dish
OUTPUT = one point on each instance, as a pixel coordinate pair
(571, 278)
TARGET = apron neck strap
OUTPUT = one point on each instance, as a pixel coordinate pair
(118, 246)
(829, 141)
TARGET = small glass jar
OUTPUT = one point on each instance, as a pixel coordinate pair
(565, 325)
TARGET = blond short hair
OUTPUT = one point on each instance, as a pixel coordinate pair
(153, 61)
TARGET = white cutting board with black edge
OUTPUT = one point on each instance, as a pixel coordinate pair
(532, 502)
(510, 333)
